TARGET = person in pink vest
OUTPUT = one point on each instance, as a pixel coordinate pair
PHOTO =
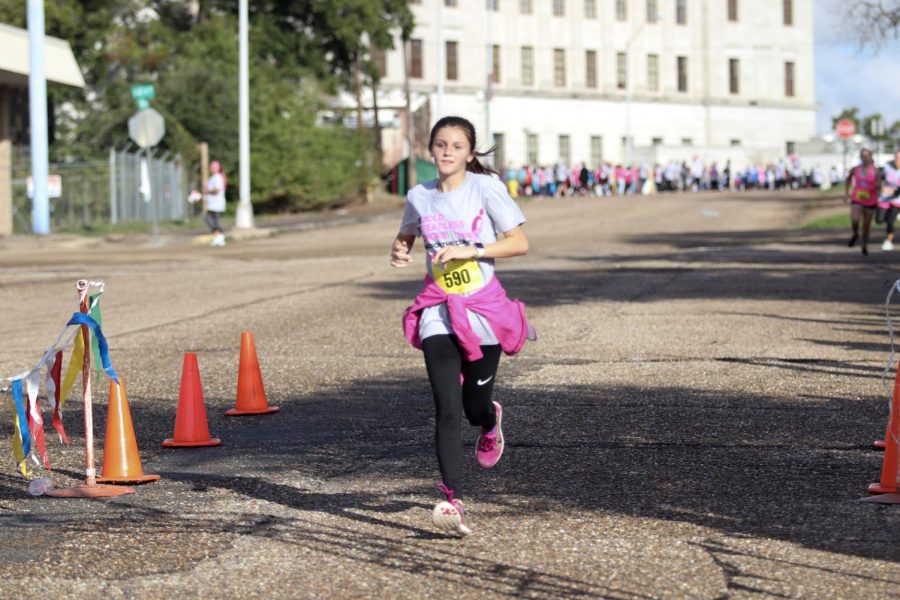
(462, 319)
(861, 189)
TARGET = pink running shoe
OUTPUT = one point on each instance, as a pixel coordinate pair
(450, 514)
(490, 443)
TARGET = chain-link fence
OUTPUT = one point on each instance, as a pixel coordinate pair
(98, 193)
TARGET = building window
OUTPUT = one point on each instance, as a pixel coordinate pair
(379, 59)
(590, 9)
(450, 3)
(652, 11)
(735, 142)
(682, 74)
(734, 76)
(590, 61)
(657, 141)
(790, 147)
(621, 72)
(564, 151)
(687, 141)
(652, 72)
(495, 66)
(596, 150)
(499, 150)
(493, 5)
(732, 10)
(531, 148)
(559, 8)
(681, 12)
(788, 12)
(788, 79)
(559, 67)
(415, 58)
(525, 7)
(527, 65)
(621, 10)
(452, 72)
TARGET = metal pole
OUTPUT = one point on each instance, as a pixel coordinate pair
(113, 203)
(244, 217)
(37, 96)
(488, 134)
(628, 146)
(441, 60)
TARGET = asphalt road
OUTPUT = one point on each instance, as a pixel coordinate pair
(695, 421)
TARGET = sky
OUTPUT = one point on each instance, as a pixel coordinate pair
(848, 76)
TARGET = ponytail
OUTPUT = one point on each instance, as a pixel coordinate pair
(475, 166)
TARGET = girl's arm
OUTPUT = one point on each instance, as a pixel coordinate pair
(514, 243)
(400, 250)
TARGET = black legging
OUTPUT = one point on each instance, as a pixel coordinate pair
(212, 220)
(444, 362)
(887, 216)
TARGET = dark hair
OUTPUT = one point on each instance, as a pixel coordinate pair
(469, 130)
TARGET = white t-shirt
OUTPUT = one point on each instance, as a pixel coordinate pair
(215, 202)
(474, 212)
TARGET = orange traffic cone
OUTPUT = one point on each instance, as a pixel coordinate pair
(121, 460)
(191, 427)
(251, 396)
(890, 469)
(882, 444)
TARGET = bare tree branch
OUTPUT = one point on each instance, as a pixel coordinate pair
(873, 22)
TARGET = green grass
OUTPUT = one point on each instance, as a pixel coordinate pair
(104, 229)
(839, 220)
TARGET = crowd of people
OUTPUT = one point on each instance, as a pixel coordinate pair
(610, 180)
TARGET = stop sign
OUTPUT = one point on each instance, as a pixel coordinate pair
(146, 128)
(845, 129)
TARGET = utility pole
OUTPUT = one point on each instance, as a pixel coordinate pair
(244, 217)
(37, 105)
(410, 121)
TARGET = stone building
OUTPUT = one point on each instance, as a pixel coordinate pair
(574, 80)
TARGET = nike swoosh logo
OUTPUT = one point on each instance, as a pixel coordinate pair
(480, 382)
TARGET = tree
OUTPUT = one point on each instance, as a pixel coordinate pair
(302, 50)
(873, 21)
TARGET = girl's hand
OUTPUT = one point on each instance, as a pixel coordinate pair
(400, 256)
(445, 255)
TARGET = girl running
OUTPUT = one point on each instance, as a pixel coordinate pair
(889, 203)
(462, 318)
(866, 185)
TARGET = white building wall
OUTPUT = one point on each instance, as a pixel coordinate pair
(760, 117)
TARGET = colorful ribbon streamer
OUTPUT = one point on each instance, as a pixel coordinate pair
(83, 319)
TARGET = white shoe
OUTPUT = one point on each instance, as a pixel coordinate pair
(887, 245)
(451, 516)
(218, 240)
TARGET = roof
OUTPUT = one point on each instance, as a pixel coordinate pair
(60, 63)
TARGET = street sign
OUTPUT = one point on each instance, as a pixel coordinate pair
(845, 128)
(146, 128)
(143, 93)
(54, 186)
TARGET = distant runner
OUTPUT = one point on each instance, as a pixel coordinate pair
(861, 190)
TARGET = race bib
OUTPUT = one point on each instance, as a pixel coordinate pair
(862, 195)
(458, 276)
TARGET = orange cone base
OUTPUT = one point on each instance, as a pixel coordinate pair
(171, 443)
(880, 444)
(883, 499)
(877, 488)
(91, 491)
(236, 412)
(129, 480)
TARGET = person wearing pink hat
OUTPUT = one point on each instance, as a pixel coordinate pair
(215, 202)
